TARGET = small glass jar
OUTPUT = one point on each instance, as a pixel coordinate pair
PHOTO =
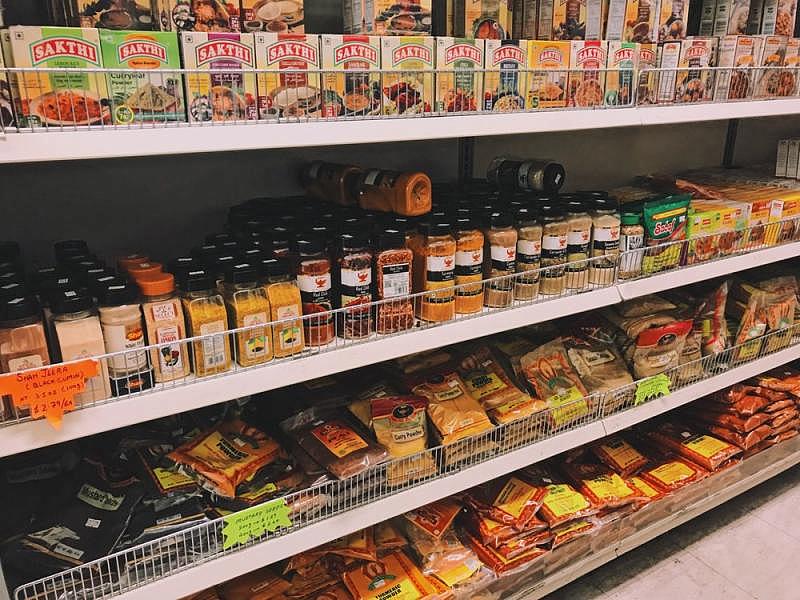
(529, 254)
(314, 280)
(248, 307)
(579, 237)
(354, 284)
(393, 277)
(22, 339)
(554, 249)
(206, 316)
(500, 254)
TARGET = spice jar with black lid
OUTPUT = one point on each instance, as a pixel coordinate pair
(500, 257)
(579, 238)
(314, 281)
(393, 277)
(248, 311)
(436, 257)
(529, 254)
(554, 249)
(469, 264)
(206, 315)
(354, 285)
(605, 240)
(536, 175)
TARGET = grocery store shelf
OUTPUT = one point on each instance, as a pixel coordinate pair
(599, 558)
(706, 270)
(59, 144)
(121, 412)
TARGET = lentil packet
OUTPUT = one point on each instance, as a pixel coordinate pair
(665, 225)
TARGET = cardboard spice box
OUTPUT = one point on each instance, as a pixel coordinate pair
(730, 17)
(351, 77)
(274, 16)
(587, 86)
(736, 51)
(388, 17)
(197, 15)
(462, 89)
(286, 90)
(695, 81)
(119, 15)
(623, 60)
(407, 63)
(577, 20)
(647, 84)
(483, 19)
(549, 65)
(505, 80)
(672, 20)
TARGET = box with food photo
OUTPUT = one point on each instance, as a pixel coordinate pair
(772, 82)
(225, 89)
(623, 61)
(197, 15)
(578, 19)
(288, 78)
(548, 63)
(483, 19)
(505, 81)
(56, 97)
(672, 20)
(351, 79)
(145, 86)
(778, 17)
(274, 16)
(388, 17)
(737, 56)
(459, 76)
(407, 67)
(587, 80)
(647, 82)
(694, 81)
(641, 21)
(731, 17)
(115, 14)
(6, 104)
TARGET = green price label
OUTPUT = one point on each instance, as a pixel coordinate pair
(651, 388)
(254, 522)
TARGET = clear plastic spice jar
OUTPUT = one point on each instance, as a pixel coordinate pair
(469, 266)
(579, 237)
(537, 175)
(286, 306)
(554, 249)
(354, 285)
(314, 280)
(22, 339)
(529, 254)
(406, 194)
(248, 307)
(166, 327)
(80, 336)
(206, 316)
(500, 253)
(631, 245)
(605, 240)
(331, 182)
(438, 252)
(393, 276)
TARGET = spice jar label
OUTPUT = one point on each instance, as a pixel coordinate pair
(441, 268)
(213, 347)
(256, 341)
(356, 286)
(529, 251)
(119, 338)
(469, 263)
(578, 245)
(396, 280)
(339, 439)
(315, 288)
(504, 258)
(164, 311)
(22, 363)
(169, 355)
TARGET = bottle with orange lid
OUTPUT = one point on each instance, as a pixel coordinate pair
(124, 263)
(408, 193)
(164, 319)
(331, 182)
(144, 269)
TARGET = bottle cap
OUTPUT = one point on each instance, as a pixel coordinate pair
(310, 244)
(71, 301)
(65, 247)
(19, 307)
(499, 220)
(391, 239)
(126, 262)
(197, 280)
(117, 292)
(274, 267)
(143, 269)
(629, 218)
(241, 273)
(157, 284)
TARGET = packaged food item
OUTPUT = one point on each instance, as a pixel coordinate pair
(387, 17)
(483, 19)
(513, 175)
(333, 440)
(648, 82)
(401, 426)
(673, 20)
(505, 79)
(670, 474)
(294, 93)
(637, 21)
(80, 99)
(395, 576)
(587, 84)
(434, 519)
(22, 337)
(623, 61)
(407, 65)
(704, 450)
(549, 64)
(731, 17)
(388, 539)
(220, 96)
(459, 77)
(500, 256)
(578, 242)
(469, 266)
(499, 563)
(664, 222)
(273, 16)
(286, 306)
(351, 79)
(773, 82)
(164, 318)
(393, 279)
(314, 281)
(434, 270)
(354, 283)
(592, 352)
(569, 531)
(668, 56)
(529, 255)
(618, 454)
(555, 234)
(508, 500)
(563, 504)
(696, 83)
(646, 489)
(778, 18)
(574, 20)
(261, 584)
(198, 15)
(123, 14)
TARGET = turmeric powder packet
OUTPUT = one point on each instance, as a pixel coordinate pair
(395, 577)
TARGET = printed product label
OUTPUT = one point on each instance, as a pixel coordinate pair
(315, 292)
(99, 498)
(672, 473)
(621, 453)
(213, 347)
(469, 263)
(170, 356)
(256, 342)
(32, 361)
(288, 334)
(562, 500)
(483, 384)
(529, 252)
(514, 497)
(435, 518)
(568, 406)
(504, 258)
(164, 311)
(608, 486)
(168, 480)
(396, 280)
(356, 289)
(578, 248)
(644, 487)
(339, 439)
(554, 247)
(119, 338)
(706, 446)
(68, 551)
(441, 268)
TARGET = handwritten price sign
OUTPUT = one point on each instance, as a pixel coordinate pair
(49, 392)
(255, 522)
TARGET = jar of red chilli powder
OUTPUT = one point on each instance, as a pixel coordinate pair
(314, 280)
(393, 262)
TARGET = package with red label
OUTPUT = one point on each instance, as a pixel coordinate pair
(508, 500)
(742, 424)
(704, 450)
(288, 78)
(602, 486)
(671, 474)
(618, 454)
(388, 578)
(496, 561)
(587, 80)
(745, 441)
(335, 440)
(569, 531)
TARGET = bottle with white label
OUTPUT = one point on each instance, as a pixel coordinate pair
(529, 254)
(80, 336)
(248, 310)
(469, 266)
(501, 259)
(605, 240)
(166, 327)
(393, 276)
(206, 318)
(554, 249)
(579, 235)
(438, 254)
(314, 281)
(354, 267)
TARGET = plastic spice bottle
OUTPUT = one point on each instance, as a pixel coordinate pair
(393, 277)
(286, 306)
(407, 194)
(23, 344)
(123, 332)
(631, 246)
(605, 241)
(501, 247)
(554, 249)
(354, 285)
(314, 280)
(248, 307)
(80, 336)
(579, 237)
(469, 266)
(144, 269)
(206, 316)
(438, 253)
(124, 263)
(163, 317)
(537, 175)
(331, 182)
(529, 254)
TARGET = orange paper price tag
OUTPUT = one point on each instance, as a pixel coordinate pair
(49, 392)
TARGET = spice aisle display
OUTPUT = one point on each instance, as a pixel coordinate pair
(529, 523)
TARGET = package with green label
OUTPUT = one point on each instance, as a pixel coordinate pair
(145, 86)
(459, 79)
(665, 229)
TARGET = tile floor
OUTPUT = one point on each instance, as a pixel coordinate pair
(746, 549)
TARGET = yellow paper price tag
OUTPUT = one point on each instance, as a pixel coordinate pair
(651, 388)
(254, 522)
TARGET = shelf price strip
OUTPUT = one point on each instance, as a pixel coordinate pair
(254, 522)
(651, 388)
(49, 392)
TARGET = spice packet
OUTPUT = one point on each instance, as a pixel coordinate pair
(509, 500)
(587, 85)
(603, 487)
(288, 94)
(505, 81)
(695, 78)
(459, 79)
(664, 224)
(623, 61)
(391, 576)
(408, 83)
(351, 81)
(618, 454)
(549, 69)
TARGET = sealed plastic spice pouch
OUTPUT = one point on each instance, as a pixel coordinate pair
(509, 500)
(434, 519)
(603, 487)
(333, 439)
(618, 454)
(672, 474)
(499, 563)
(400, 424)
(563, 503)
(664, 222)
(702, 449)
(226, 455)
(394, 576)
(261, 584)
(595, 357)
(162, 482)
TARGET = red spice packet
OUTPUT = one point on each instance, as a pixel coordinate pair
(618, 454)
(673, 473)
(496, 561)
(745, 441)
(604, 488)
(508, 500)
(571, 530)
(704, 450)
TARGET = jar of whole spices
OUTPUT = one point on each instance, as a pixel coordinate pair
(536, 175)
(631, 245)
(206, 316)
(501, 248)
(163, 316)
(439, 259)
(469, 266)
(286, 306)
(393, 276)
(354, 285)
(248, 308)
(529, 254)
(22, 339)
(605, 241)
(314, 280)
(579, 237)
(554, 249)
(406, 193)
(123, 331)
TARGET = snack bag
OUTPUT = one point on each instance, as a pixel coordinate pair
(664, 224)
